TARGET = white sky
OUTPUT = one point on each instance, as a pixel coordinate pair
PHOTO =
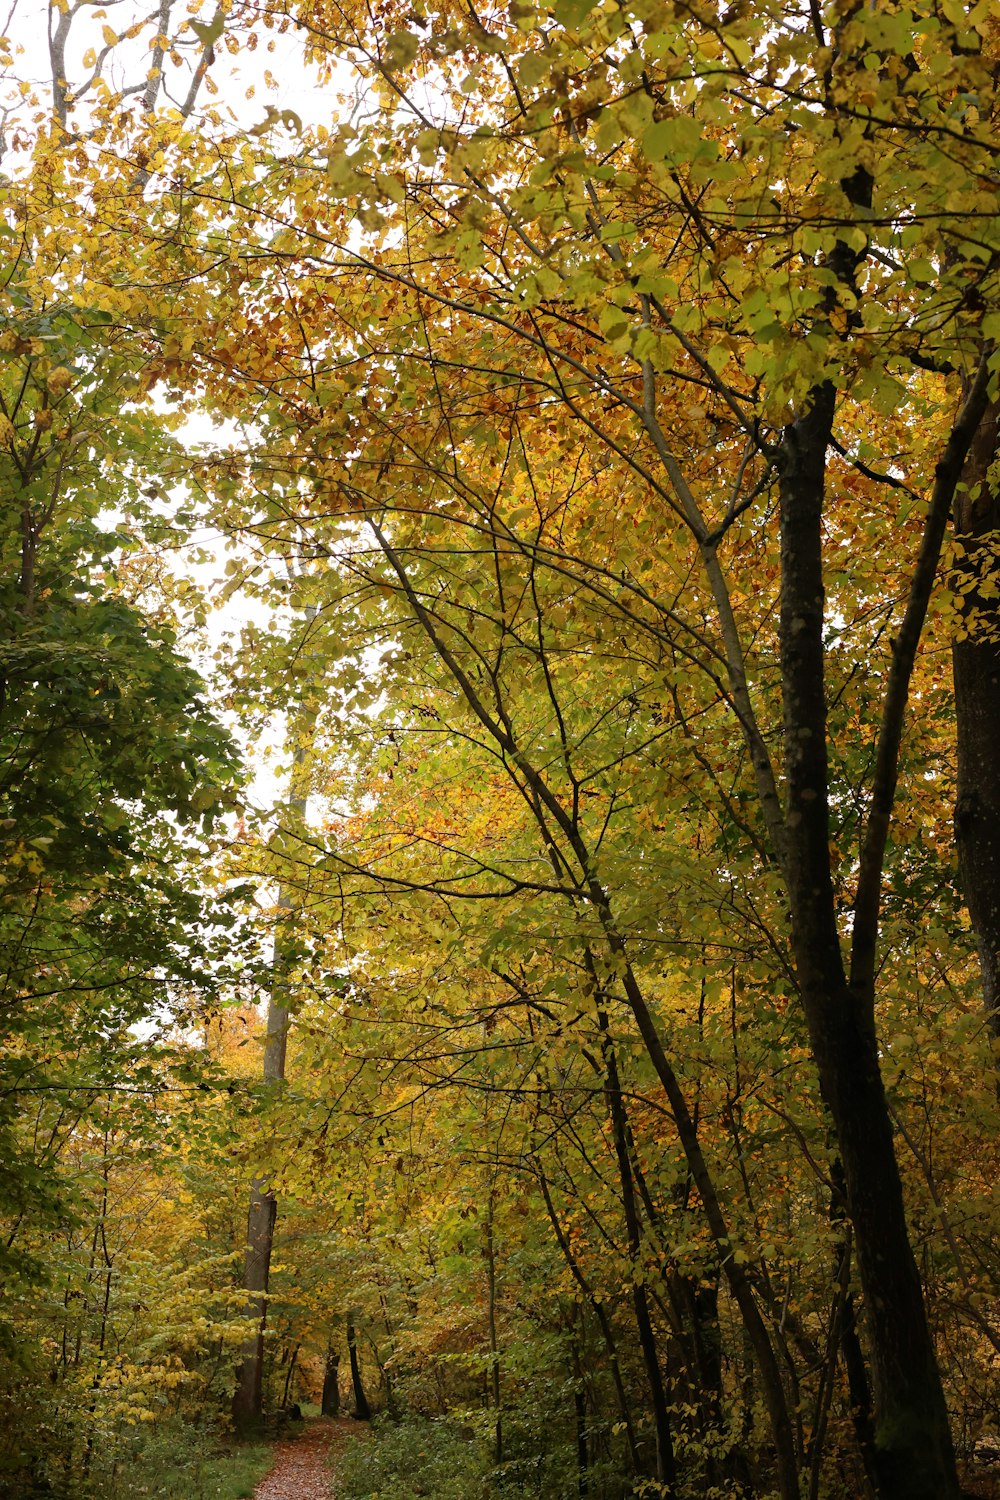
(27, 25)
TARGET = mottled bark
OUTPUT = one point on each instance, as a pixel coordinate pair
(248, 1396)
(247, 1404)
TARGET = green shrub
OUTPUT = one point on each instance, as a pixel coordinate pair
(172, 1461)
(418, 1459)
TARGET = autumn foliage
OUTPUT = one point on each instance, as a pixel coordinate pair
(570, 432)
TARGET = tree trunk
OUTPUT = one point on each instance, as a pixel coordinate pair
(361, 1408)
(289, 1377)
(666, 1469)
(600, 1313)
(729, 1470)
(248, 1397)
(330, 1400)
(491, 1308)
(914, 1452)
(976, 668)
(546, 804)
(580, 1420)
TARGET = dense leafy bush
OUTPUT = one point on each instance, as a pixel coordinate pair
(416, 1458)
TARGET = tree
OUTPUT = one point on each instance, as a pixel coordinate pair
(595, 238)
(248, 1396)
(976, 658)
(114, 776)
(567, 294)
(101, 719)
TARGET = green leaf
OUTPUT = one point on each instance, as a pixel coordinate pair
(208, 33)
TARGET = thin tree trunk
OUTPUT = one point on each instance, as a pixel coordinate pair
(666, 1469)
(289, 1375)
(547, 805)
(599, 1312)
(696, 1313)
(580, 1416)
(491, 1289)
(361, 1408)
(858, 1390)
(99, 1235)
(849, 1343)
(734, 1271)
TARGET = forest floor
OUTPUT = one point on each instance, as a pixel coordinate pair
(302, 1463)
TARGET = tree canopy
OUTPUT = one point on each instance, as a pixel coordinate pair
(573, 430)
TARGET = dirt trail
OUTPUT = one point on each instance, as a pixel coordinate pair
(301, 1470)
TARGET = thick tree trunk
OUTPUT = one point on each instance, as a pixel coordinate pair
(248, 1396)
(247, 1404)
(976, 666)
(330, 1400)
(914, 1452)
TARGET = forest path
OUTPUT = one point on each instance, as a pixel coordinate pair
(301, 1469)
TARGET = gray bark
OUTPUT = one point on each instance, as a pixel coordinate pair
(247, 1406)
